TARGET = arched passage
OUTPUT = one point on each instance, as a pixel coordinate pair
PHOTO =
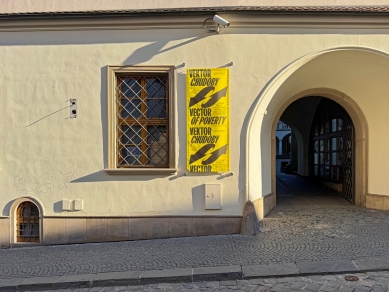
(360, 126)
(354, 77)
(325, 150)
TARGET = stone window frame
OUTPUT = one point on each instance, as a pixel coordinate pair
(112, 73)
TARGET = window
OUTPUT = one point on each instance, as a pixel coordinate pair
(141, 120)
(27, 223)
(331, 146)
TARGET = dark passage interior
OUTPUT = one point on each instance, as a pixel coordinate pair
(293, 190)
(315, 153)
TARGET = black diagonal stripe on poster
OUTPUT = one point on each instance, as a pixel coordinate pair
(215, 98)
(201, 95)
(201, 153)
(215, 155)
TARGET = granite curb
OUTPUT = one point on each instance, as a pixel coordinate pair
(217, 273)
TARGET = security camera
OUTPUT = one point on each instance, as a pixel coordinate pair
(221, 21)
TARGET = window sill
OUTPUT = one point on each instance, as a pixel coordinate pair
(25, 244)
(141, 171)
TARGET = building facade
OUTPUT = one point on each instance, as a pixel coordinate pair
(93, 123)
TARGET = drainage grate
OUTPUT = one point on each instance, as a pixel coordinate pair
(351, 278)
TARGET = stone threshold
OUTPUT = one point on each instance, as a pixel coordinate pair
(182, 275)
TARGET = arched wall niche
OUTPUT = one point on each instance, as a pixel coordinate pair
(354, 77)
(13, 218)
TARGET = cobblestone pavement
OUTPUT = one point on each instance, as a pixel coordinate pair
(309, 224)
(371, 281)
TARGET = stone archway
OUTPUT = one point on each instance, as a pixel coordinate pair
(335, 74)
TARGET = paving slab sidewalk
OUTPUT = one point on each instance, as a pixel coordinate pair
(219, 273)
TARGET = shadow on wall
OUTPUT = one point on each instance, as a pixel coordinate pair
(198, 200)
(40, 38)
(7, 207)
(104, 114)
(57, 207)
(181, 122)
(147, 52)
(102, 175)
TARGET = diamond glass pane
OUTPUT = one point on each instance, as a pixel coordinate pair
(156, 87)
(131, 108)
(130, 135)
(131, 155)
(156, 108)
(131, 87)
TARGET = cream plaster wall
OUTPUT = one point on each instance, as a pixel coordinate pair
(59, 158)
(76, 5)
(5, 232)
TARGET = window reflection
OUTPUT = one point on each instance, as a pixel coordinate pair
(340, 124)
(333, 125)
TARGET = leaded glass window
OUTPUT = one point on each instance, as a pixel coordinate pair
(142, 120)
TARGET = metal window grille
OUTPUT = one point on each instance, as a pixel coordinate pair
(142, 120)
(332, 146)
(27, 223)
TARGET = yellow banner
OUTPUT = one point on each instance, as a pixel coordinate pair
(208, 119)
